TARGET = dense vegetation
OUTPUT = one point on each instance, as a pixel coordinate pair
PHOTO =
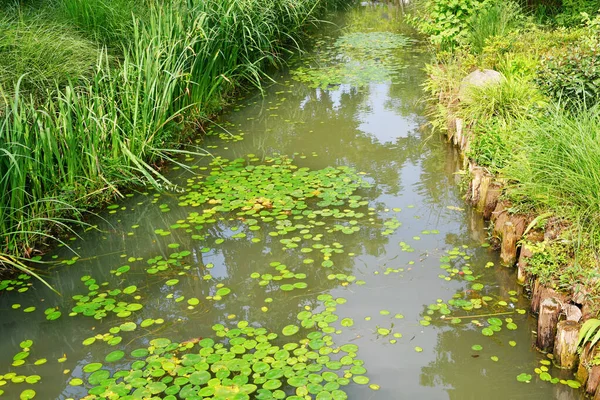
(93, 94)
(537, 129)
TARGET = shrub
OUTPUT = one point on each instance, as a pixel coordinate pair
(572, 76)
(491, 147)
(512, 98)
(571, 11)
(446, 22)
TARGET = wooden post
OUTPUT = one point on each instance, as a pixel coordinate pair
(486, 180)
(549, 313)
(508, 248)
(565, 346)
(593, 380)
(582, 369)
(541, 292)
(491, 199)
(458, 123)
(524, 257)
(475, 185)
(572, 312)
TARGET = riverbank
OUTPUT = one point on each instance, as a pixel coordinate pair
(95, 95)
(517, 97)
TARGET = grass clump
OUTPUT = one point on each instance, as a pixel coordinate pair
(495, 19)
(557, 166)
(42, 53)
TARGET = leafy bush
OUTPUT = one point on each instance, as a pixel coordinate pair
(491, 147)
(446, 22)
(571, 11)
(573, 75)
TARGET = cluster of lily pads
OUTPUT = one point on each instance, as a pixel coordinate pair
(20, 283)
(242, 363)
(543, 372)
(20, 359)
(99, 304)
(357, 59)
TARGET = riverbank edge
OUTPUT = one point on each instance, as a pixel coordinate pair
(560, 314)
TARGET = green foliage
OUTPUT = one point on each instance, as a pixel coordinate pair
(43, 53)
(571, 11)
(548, 261)
(446, 22)
(491, 146)
(109, 22)
(496, 19)
(589, 332)
(557, 166)
(510, 99)
(572, 76)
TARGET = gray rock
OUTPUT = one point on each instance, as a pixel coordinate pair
(478, 78)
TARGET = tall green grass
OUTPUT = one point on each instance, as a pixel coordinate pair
(103, 126)
(557, 167)
(42, 53)
(496, 19)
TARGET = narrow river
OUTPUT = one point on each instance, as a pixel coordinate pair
(385, 291)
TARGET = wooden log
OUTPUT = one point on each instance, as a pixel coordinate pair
(593, 380)
(542, 292)
(458, 135)
(474, 187)
(565, 345)
(491, 199)
(572, 313)
(508, 247)
(546, 332)
(597, 394)
(524, 256)
(499, 210)
(584, 359)
(484, 186)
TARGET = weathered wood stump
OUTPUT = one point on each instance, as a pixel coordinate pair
(565, 345)
(572, 313)
(477, 173)
(508, 248)
(586, 356)
(484, 186)
(593, 380)
(491, 199)
(524, 257)
(547, 320)
(541, 292)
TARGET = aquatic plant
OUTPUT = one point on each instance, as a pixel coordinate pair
(357, 59)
